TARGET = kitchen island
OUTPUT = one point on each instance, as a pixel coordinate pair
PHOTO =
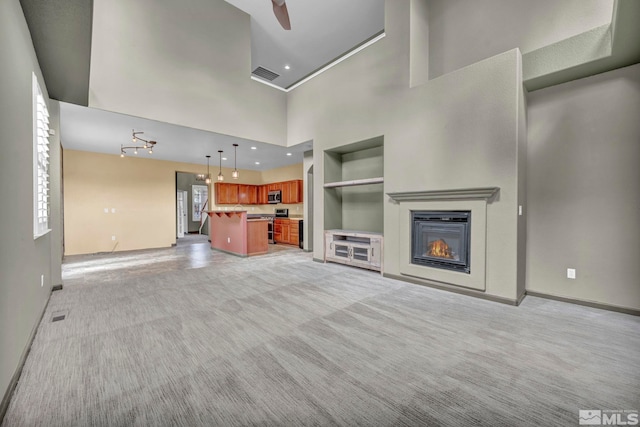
(234, 233)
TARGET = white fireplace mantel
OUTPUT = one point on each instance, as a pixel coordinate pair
(487, 194)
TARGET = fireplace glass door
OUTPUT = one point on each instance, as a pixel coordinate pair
(441, 239)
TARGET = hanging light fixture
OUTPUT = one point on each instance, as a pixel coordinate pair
(208, 179)
(235, 174)
(148, 145)
(220, 176)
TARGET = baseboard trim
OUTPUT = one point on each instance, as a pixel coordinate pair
(6, 399)
(318, 260)
(462, 291)
(592, 304)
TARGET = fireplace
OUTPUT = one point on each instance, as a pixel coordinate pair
(441, 239)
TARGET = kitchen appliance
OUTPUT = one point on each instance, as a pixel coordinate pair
(275, 196)
(282, 213)
(301, 233)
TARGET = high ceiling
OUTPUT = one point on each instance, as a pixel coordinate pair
(321, 31)
(90, 129)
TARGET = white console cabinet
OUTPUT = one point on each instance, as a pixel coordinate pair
(356, 248)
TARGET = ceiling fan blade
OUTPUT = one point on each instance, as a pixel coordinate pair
(280, 10)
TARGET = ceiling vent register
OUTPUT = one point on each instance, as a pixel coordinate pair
(265, 74)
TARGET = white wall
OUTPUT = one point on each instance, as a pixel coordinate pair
(462, 32)
(584, 189)
(186, 63)
(22, 259)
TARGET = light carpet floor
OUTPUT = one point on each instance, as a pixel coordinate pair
(281, 340)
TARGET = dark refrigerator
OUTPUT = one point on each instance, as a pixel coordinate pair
(301, 234)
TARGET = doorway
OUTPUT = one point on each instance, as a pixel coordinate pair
(194, 205)
(182, 226)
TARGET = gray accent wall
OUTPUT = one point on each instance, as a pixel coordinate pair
(462, 32)
(363, 205)
(584, 189)
(23, 259)
(457, 131)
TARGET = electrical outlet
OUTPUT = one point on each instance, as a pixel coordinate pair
(113, 238)
(42, 280)
(571, 273)
(113, 210)
(106, 210)
(228, 239)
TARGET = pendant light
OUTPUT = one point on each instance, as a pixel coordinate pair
(220, 176)
(235, 173)
(208, 179)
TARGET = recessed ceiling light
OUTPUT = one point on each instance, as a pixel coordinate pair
(288, 154)
(257, 163)
(224, 158)
(287, 67)
(254, 148)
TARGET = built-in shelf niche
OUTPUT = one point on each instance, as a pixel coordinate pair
(353, 186)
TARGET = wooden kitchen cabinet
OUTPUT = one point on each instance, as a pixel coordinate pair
(286, 231)
(247, 194)
(226, 194)
(295, 191)
(286, 192)
(277, 231)
(294, 235)
(263, 194)
(292, 191)
(282, 230)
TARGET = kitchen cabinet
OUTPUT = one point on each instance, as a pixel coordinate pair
(247, 194)
(355, 248)
(292, 191)
(286, 231)
(294, 235)
(226, 194)
(263, 195)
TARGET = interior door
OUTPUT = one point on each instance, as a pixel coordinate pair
(181, 216)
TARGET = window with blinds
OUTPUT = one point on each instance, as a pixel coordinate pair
(40, 162)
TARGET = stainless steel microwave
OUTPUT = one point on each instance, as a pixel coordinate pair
(275, 196)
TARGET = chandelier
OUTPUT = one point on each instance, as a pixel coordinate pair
(148, 145)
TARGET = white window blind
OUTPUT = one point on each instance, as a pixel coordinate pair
(40, 162)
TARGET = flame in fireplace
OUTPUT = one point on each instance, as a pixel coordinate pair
(439, 248)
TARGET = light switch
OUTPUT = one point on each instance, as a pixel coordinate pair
(106, 210)
(571, 273)
(113, 210)
(520, 210)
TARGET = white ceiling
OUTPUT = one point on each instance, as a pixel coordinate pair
(321, 31)
(89, 129)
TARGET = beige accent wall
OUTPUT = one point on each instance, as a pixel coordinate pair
(142, 192)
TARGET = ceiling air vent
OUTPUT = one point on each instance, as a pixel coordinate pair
(265, 74)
